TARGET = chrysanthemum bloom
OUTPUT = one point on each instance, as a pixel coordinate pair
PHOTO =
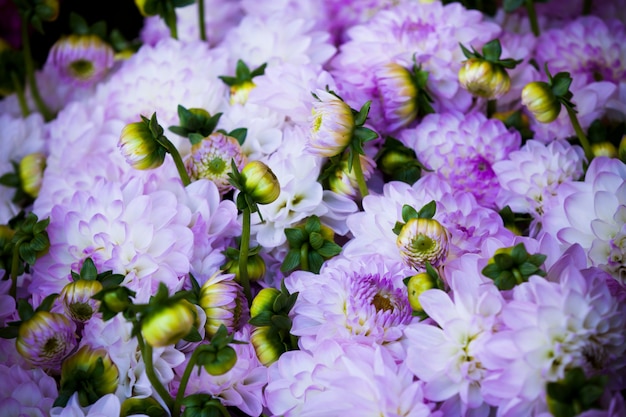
(532, 175)
(223, 302)
(362, 300)
(332, 125)
(447, 356)
(591, 214)
(81, 59)
(568, 319)
(46, 339)
(343, 379)
(422, 241)
(430, 33)
(26, 392)
(92, 374)
(398, 95)
(168, 324)
(31, 172)
(211, 159)
(241, 387)
(461, 149)
(484, 79)
(77, 301)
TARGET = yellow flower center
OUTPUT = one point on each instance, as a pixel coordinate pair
(82, 68)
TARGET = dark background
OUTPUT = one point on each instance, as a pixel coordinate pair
(120, 14)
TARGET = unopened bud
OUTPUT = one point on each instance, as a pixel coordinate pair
(77, 299)
(139, 147)
(416, 285)
(422, 240)
(484, 79)
(539, 99)
(31, 173)
(169, 324)
(260, 182)
(604, 149)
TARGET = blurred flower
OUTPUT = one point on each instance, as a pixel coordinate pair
(168, 324)
(344, 182)
(81, 60)
(26, 392)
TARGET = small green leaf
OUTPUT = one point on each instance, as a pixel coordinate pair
(315, 262)
(468, 54)
(329, 249)
(296, 236)
(239, 134)
(242, 72)
(363, 134)
(361, 115)
(397, 228)
(264, 318)
(291, 261)
(316, 240)
(9, 332)
(24, 310)
(409, 213)
(428, 211)
(492, 50)
(193, 336)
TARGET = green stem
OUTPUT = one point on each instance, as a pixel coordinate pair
(491, 108)
(587, 7)
(180, 166)
(29, 67)
(180, 395)
(170, 19)
(532, 16)
(304, 257)
(243, 255)
(146, 354)
(19, 91)
(358, 173)
(579, 132)
(201, 20)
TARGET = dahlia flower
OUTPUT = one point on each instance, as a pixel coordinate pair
(531, 176)
(462, 149)
(222, 299)
(361, 300)
(341, 379)
(81, 60)
(107, 405)
(26, 392)
(428, 33)
(46, 339)
(591, 213)
(568, 319)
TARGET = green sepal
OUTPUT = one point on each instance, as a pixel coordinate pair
(239, 134)
(361, 116)
(264, 318)
(47, 302)
(492, 50)
(428, 211)
(316, 261)
(561, 83)
(79, 26)
(24, 310)
(409, 213)
(10, 331)
(329, 249)
(397, 228)
(291, 261)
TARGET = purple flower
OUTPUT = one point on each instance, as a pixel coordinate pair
(46, 339)
(26, 392)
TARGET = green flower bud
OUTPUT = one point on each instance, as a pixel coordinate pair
(116, 300)
(148, 406)
(169, 324)
(91, 373)
(267, 344)
(220, 361)
(484, 79)
(239, 92)
(31, 169)
(139, 147)
(604, 149)
(52, 10)
(77, 299)
(422, 240)
(621, 151)
(260, 183)
(263, 301)
(223, 302)
(256, 268)
(539, 99)
(416, 286)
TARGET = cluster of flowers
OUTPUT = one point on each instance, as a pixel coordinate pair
(317, 208)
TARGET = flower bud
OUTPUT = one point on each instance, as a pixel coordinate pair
(416, 286)
(77, 299)
(141, 6)
(239, 92)
(211, 159)
(46, 339)
(267, 344)
(92, 381)
(604, 149)
(398, 95)
(139, 147)
(116, 300)
(256, 268)
(169, 324)
(148, 406)
(621, 151)
(51, 8)
(484, 79)
(220, 361)
(260, 183)
(263, 301)
(422, 240)
(31, 169)
(332, 125)
(223, 301)
(81, 59)
(344, 182)
(539, 99)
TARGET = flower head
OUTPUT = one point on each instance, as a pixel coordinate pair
(422, 241)
(139, 146)
(398, 94)
(222, 300)
(259, 182)
(167, 325)
(211, 159)
(46, 339)
(31, 172)
(484, 79)
(81, 59)
(332, 125)
(77, 299)
(539, 99)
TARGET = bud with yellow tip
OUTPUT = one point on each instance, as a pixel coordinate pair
(31, 169)
(539, 99)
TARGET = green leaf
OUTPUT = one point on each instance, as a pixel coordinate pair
(329, 249)
(47, 302)
(9, 332)
(518, 254)
(291, 261)
(239, 134)
(409, 213)
(193, 336)
(491, 271)
(27, 254)
(264, 318)
(260, 70)
(41, 225)
(242, 72)
(315, 262)
(10, 180)
(561, 83)
(397, 228)
(537, 259)
(296, 237)
(316, 240)
(363, 134)
(313, 224)
(361, 116)
(527, 269)
(281, 322)
(505, 281)
(229, 81)
(40, 242)
(468, 54)
(194, 138)
(24, 310)
(492, 50)
(428, 211)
